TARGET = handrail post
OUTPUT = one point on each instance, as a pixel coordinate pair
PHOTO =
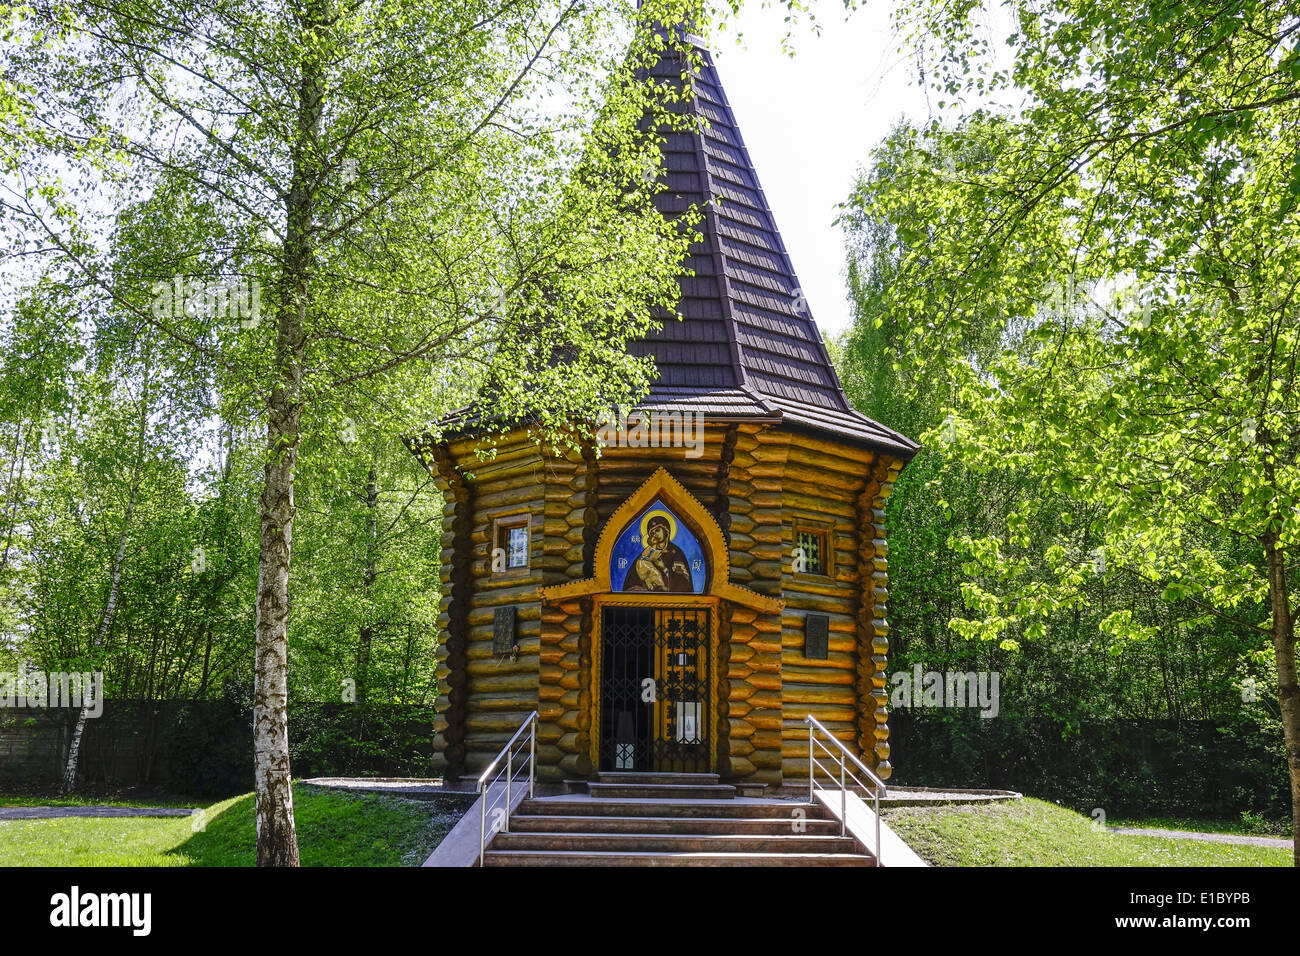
(844, 798)
(510, 762)
(877, 791)
(532, 755)
(810, 763)
(482, 821)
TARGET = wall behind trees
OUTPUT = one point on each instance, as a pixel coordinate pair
(204, 748)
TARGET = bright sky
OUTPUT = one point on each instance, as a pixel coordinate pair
(809, 122)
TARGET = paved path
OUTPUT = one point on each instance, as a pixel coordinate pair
(1209, 837)
(52, 813)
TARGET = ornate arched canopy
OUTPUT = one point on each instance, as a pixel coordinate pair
(691, 530)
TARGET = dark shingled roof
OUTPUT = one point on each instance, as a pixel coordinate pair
(746, 345)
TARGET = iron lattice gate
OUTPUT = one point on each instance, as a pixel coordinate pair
(655, 672)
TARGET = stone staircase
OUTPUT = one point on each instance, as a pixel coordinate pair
(639, 819)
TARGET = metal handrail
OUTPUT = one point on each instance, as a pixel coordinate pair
(487, 779)
(843, 756)
(848, 773)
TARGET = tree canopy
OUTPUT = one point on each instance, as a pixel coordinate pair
(1124, 220)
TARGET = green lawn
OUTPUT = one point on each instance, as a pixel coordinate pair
(1256, 827)
(81, 800)
(341, 829)
(1035, 833)
(334, 829)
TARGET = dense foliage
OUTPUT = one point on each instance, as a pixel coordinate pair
(1092, 284)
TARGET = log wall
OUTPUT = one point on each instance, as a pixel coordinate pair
(487, 695)
(457, 524)
(754, 660)
(564, 695)
(821, 483)
(756, 479)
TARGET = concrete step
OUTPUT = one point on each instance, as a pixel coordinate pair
(740, 826)
(609, 858)
(673, 843)
(661, 791)
(681, 809)
(627, 776)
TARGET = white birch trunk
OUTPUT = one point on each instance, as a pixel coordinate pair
(110, 606)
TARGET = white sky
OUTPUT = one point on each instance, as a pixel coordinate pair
(810, 121)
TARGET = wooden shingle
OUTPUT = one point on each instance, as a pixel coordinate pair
(760, 350)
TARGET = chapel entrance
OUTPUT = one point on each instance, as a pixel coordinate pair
(654, 686)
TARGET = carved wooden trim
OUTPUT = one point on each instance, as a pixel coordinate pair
(663, 485)
(722, 691)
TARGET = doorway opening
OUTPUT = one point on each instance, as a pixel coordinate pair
(654, 684)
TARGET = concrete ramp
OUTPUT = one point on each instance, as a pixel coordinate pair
(861, 824)
(460, 847)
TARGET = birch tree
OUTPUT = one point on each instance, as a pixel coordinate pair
(336, 191)
(114, 582)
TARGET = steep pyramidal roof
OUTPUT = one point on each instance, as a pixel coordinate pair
(746, 345)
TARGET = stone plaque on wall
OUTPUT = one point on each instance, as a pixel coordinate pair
(503, 630)
(816, 636)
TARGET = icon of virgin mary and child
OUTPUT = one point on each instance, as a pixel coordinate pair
(662, 565)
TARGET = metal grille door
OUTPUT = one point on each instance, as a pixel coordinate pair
(655, 672)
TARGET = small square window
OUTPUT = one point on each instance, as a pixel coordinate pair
(811, 554)
(510, 544)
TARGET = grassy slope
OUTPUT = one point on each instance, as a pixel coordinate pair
(334, 829)
(1270, 828)
(1034, 833)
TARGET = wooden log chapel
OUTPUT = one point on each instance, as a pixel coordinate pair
(666, 611)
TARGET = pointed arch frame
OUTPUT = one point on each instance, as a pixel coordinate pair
(688, 508)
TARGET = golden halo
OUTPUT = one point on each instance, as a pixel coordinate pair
(672, 523)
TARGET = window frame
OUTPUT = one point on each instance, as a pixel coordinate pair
(501, 526)
(826, 531)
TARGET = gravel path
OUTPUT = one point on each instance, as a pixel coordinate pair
(1209, 837)
(54, 813)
